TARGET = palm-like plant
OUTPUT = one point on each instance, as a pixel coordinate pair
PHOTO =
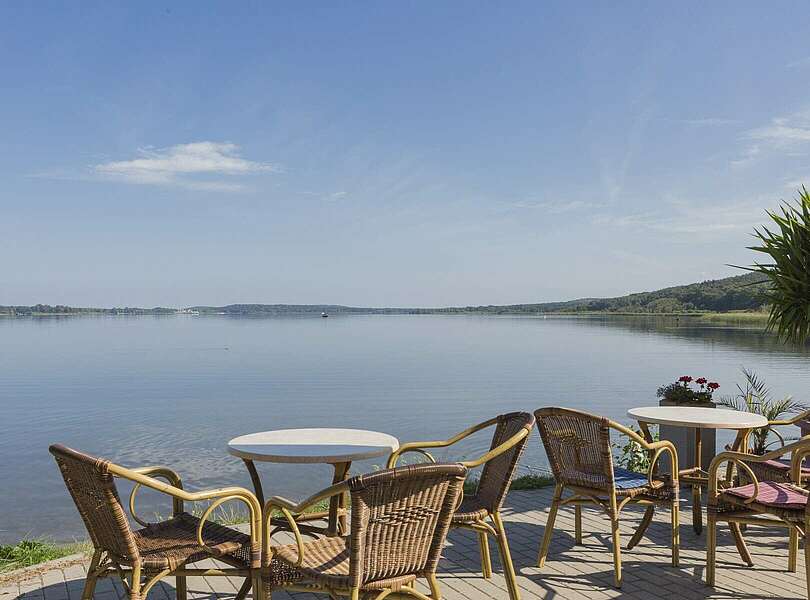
(789, 273)
(755, 397)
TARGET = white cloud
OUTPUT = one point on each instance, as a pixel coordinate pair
(184, 165)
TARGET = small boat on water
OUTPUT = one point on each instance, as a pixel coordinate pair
(324, 315)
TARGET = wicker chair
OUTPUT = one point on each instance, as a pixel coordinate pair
(399, 523)
(759, 502)
(578, 448)
(499, 464)
(158, 550)
(778, 469)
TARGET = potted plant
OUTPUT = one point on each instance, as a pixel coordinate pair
(755, 397)
(683, 393)
(691, 392)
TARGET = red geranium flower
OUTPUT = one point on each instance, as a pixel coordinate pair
(701, 380)
(713, 385)
(685, 378)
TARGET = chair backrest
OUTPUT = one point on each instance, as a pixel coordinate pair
(497, 473)
(93, 489)
(399, 520)
(578, 447)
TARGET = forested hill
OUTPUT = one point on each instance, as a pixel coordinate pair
(741, 293)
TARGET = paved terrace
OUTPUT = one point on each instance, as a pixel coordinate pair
(571, 571)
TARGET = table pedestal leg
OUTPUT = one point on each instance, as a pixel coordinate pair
(697, 514)
(257, 483)
(337, 524)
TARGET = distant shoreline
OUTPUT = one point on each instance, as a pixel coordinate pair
(739, 316)
(742, 294)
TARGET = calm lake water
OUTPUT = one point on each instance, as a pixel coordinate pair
(174, 390)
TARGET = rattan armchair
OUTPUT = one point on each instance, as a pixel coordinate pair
(759, 502)
(499, 464)
(578, 447)
(778, 469)
(399, 523)
(142, 557)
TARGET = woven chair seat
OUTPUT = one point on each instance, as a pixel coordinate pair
(470, 511)
(326, 561)
(772, 494)
(172, 543)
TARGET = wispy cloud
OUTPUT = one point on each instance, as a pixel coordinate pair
(782, 130)
(785, 135)
(709, 121)
(184, 165)
(691, 218)
(748, 156)
(556, 208)
(799, 63)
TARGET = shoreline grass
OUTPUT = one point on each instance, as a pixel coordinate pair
(27, 553)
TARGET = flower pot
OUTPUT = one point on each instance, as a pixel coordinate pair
(684, 439)
(804, 426)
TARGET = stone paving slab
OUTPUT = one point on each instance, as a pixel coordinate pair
(571, 572)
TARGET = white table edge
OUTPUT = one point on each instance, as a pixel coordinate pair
(331, 459)
(759, 422)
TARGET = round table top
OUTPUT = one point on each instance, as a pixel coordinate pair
(315, 445)
(704, 418)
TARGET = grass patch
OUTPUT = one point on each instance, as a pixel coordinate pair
(524, 482)
(30, 552)
(754, 318)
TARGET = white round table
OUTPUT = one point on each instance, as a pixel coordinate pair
(338, 447)
(698, 419)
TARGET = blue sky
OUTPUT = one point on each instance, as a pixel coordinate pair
(393, 154)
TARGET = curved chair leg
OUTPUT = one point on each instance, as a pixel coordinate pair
(506, 558)
(552, 516)
(435, 591)
(617, 547)
(578, 524)
(90, 582)
(676, 532)
(486, 560)
(745, 555)
(711, 546)
(793, 549)
(642, 528)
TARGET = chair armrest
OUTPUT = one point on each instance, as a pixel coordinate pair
(658, 448)
(161, 471)
(792, 420)
(289, 509)
(498, 450)
(219, 495)
(419, 446)
(156, 471)
(741, 460)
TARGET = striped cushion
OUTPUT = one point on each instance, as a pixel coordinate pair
(629, 479)
(772, 493)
